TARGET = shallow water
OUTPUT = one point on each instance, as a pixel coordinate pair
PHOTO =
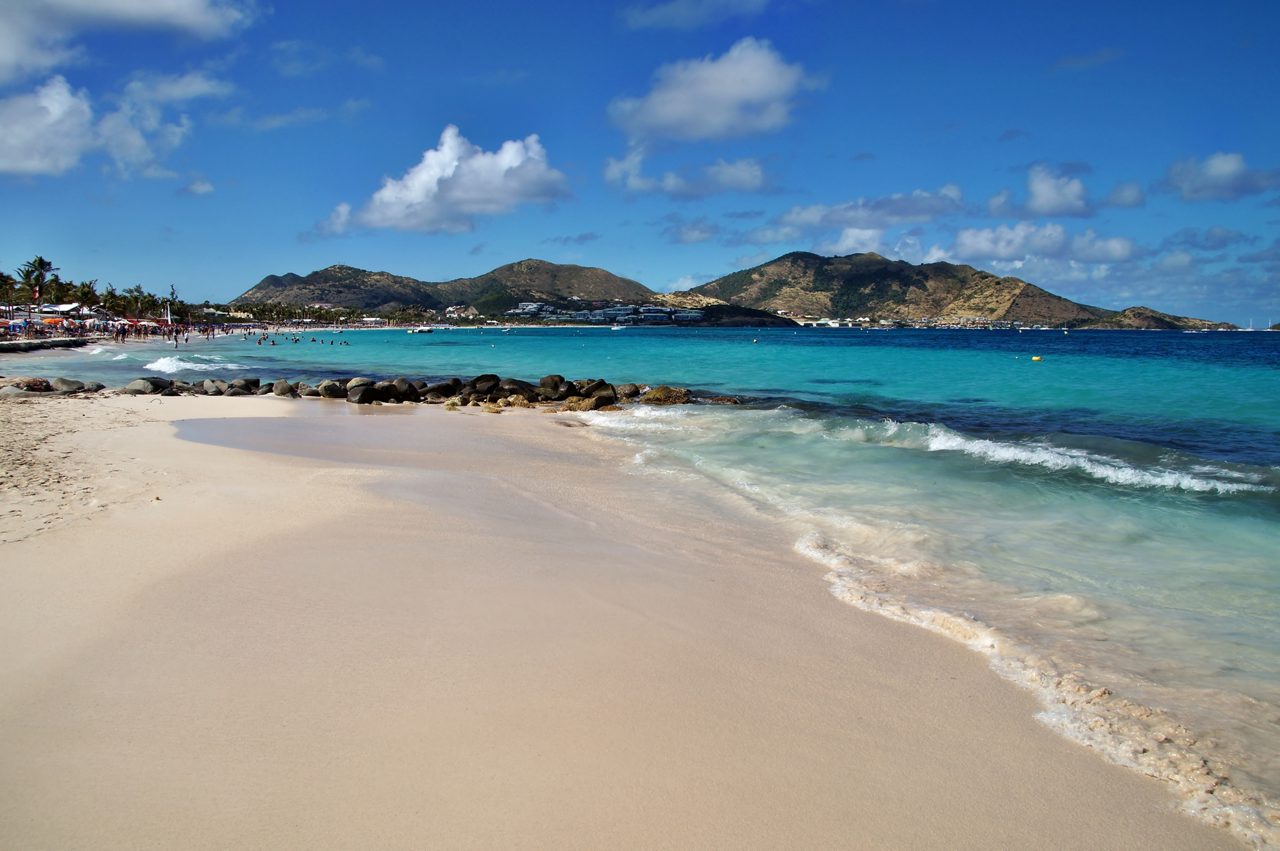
(1101, 522)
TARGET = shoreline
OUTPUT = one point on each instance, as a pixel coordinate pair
(718, 693)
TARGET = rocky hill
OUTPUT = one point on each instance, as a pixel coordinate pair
(801, 284)
(873, 286)
(492, 292)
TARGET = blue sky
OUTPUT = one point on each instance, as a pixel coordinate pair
(1111, 152)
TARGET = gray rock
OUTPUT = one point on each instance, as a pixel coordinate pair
(146, 386)
(551, 382)
(211, 387)
(249, 384)
(264, 390)
(665, 395)
(444, 388)
(627, 391)
(331, 389)
(236, 391)
(363, 394)
(94, 386)
(67, 385)
(283, 388)
(359, 382)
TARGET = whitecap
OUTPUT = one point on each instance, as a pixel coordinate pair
(174, 364)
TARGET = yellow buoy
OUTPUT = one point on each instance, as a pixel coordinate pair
(1035, 357)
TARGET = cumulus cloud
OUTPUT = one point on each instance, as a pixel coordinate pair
(1009, 242)
(1220, 177)
(748, 90)
(38, 35)
(878, 213)
(140, 133)
(1126, 195)
(1088, 247)
(197, 187)
(1049, 194)
(744, 175)
(455, 182)
(46, 131)
(689, 14)
(1025, 242)
(854, 241)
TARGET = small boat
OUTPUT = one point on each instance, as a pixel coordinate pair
(421, 329)
(616, 327)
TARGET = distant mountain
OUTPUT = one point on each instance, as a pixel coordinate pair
(492, 292)
(873, 286)
(802, 284)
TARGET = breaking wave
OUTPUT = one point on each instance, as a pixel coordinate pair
(174, 364)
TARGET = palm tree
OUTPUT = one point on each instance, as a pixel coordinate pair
(135, 294)
(35, 273)
(7, 283)
(86, 292)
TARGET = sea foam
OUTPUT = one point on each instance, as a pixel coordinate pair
(173, 364)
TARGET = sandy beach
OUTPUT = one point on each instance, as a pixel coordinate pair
(263, 623)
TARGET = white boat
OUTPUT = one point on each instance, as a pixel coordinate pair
(421, 329)
(616, 327)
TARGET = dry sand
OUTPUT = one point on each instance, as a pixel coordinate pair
(414, 629)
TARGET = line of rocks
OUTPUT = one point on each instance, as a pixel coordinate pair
(488, 391)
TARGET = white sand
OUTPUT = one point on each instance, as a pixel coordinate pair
(426, 629)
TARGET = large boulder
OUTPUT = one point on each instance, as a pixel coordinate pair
(264, 390)
(307, 391)
(443, 388)
(364, 394)
(211, 388)
(627, 391)
(485, 384)
(29, 383)
(665, 395)
(147, 386)
(359, 382)
(66, 385)
(236, 391)
(406, 390)
(515, 387)
(282, 387)
(551, 382)
(94, 386)
(331, 389)
(249, 384)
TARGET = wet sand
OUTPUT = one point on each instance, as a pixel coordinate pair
(321, 626)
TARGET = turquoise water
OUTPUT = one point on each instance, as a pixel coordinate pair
(1103, 522)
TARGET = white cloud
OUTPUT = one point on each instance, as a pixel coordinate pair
(1212, 238)
(337, 222)
(690, 14)
(1221, 177)
(887, 211)
(1088, 247)
(46, 131)
(1126, 195)
(1025, 242)
(1009, 243)
(748, 90)
(138, 135)
(854, 241)
(456, 181)
(745, 175)
(1049, 194)
(198, 187)
(37, 35)
(1175, 261)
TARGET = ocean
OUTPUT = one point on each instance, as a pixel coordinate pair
(1097, 512)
